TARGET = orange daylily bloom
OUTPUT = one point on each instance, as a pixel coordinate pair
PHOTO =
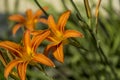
(59, 35)
(25, 54)
(28, 22)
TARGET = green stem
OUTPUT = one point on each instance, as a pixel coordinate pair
(109, 64)
(96, 27)
(87, 7)
(100, 51)
(90, 65)
(41, 8)
(78, 13)
(41, 68)
(77, 44)
(63, 1)
(14, 76)
(97, 14)
(2, 59)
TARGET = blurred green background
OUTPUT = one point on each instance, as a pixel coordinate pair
(82, 59)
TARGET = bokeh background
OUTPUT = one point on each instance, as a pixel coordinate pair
(83, 62)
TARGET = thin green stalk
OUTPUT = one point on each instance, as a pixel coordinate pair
(5, 62)
(98, 47)
(63, 1)
(96, 27)
(96, 44)
(109, 64)
(78, 12)
(78, 15)
(14, 76)
(91, 32)
(87, 26)
(77, 44)
(9, 55)
(97, 14)
(2, 59)
(90, 64)
(87, 7)
(102, 54)
(100, 51)
(41, 68)
(90, 23)
(41, 8)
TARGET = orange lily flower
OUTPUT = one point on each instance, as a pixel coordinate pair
(28, 22)
(59, 35)
(25, 54)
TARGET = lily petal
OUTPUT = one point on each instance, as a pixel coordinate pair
(72, 33)
(63, 20)
(17, 18)
(52, 25)
(52, 39)
(36, 41)
(38, 32)
(58, 53)
(22, 70)
(29, 14)
(15, 28)
(19, 69)
(13, 47)
(42, 20)
(48, 48)
(26, 40)
(39, 12)
(43, 59)
(10, 66)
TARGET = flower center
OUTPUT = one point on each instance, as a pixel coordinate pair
(58, 37)
(27, 58)
(28, 55)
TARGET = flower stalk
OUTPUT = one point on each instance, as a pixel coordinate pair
(97, 14)
(78, 12)
(98, 47)
(41, 7)
(87, 7)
